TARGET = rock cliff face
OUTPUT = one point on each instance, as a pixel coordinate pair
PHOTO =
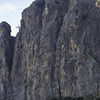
(6, 57)
(55, 55)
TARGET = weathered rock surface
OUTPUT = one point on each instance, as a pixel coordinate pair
(56, 52)
(6, 56)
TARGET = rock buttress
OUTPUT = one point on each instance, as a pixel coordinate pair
(57, 51)
(6, 56)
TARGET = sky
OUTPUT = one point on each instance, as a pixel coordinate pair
(10, 11)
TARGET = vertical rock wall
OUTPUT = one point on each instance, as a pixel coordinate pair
(6, 57)
(56, 53)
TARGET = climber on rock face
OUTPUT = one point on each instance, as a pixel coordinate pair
(97, 3)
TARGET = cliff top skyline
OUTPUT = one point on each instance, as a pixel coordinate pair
(10, 11)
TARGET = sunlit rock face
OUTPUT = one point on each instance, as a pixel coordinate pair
(56, 53)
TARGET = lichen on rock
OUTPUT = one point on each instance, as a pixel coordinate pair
(56, 55)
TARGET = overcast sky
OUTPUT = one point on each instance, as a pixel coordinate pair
(10, 11)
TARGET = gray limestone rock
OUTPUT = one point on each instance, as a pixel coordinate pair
(56, 52)
(6, 57)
